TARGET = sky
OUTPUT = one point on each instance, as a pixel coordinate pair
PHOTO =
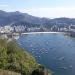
(41, 8)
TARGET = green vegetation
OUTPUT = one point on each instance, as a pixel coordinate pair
(15, 59)
(6, 72)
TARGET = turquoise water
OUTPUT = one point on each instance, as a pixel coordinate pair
(55, 51)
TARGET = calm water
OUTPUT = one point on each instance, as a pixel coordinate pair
(55, 51)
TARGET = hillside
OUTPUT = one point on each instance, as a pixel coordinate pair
(19, 18)
(13, 58)
(6, 72)
(16, 60)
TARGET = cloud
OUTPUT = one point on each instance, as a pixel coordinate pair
(3, 5)
(52, 12)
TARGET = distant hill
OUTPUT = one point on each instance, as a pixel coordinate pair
(64, 20)
(10, 18)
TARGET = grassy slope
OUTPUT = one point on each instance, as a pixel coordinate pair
(6, 72)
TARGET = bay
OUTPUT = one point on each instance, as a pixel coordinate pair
(53, 50)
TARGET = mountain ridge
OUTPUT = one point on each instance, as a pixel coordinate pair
(7, 18)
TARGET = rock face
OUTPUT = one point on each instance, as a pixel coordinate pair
(41, 70)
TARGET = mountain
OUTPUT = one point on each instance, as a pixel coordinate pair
(9, 18)
(64, 20)
(14, 17)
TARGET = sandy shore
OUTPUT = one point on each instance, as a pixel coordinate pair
(39, 32)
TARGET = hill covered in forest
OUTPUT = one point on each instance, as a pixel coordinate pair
(12, 18)
(16, 60)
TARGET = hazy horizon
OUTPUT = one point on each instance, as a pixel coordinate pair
(36, 16)
(40, 8)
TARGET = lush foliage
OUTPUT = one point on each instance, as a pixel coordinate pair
(14, 58)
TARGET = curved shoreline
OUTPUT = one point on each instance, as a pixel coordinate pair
(40, 32)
